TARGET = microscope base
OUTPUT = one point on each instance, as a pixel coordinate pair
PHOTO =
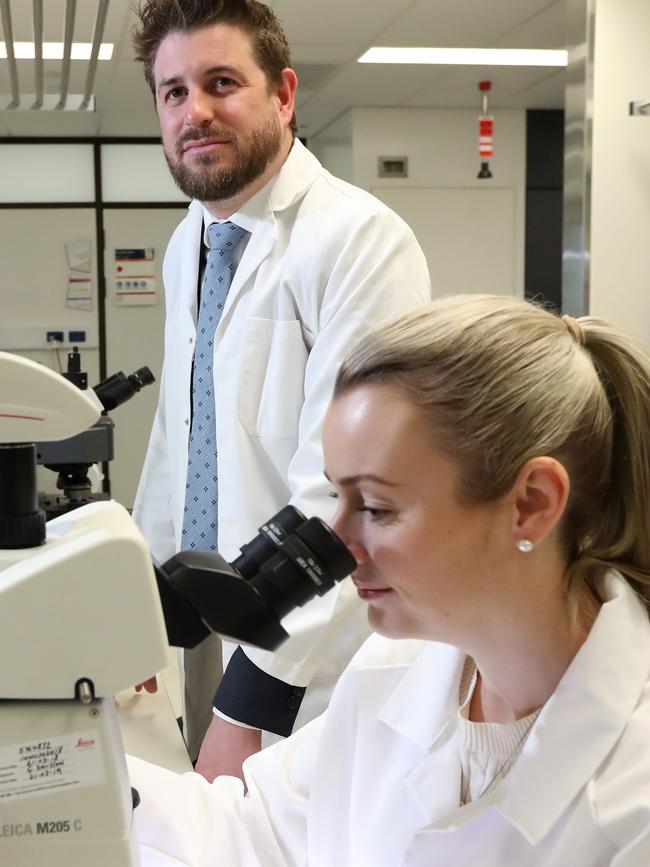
(65, 796)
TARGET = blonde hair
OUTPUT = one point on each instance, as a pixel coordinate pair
(504, 381)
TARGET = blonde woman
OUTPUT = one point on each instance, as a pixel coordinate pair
(492, 467)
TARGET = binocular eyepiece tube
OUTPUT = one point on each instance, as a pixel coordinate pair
(118, 388)
(291, 560)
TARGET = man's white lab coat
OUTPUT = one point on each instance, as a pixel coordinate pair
(325, 263)
(375, 781)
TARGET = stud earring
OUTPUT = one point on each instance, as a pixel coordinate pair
(525, 546)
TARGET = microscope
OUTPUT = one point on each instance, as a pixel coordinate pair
(80, 619)
(73, 457)
(85, 614)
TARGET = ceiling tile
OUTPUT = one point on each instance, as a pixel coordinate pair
(465, 23)
(544, 30)
(324, 52)
(337, 21)
(458, 86)
(370, 84)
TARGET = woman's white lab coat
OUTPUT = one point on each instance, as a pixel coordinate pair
(324, 264)
(375, 781)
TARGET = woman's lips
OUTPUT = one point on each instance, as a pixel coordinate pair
(368, 592)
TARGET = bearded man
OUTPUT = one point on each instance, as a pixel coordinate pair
(274, 274)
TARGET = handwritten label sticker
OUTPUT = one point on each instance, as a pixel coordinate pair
(63, 762)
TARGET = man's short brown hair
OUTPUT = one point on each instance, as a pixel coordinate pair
(158, 18)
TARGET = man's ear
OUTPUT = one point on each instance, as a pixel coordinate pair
(286, 94)
(540, 493)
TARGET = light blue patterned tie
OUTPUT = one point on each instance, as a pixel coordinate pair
(201, 494)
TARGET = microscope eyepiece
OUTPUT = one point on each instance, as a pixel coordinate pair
(290, 561)
(308, 563)
(269, 538)
(141, 377)
(119, 388)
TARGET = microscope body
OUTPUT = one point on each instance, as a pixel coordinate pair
(80, 620)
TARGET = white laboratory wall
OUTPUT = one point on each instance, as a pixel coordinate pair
(47, 173)
(33, 288)
(451, 224)
(333, 147)
(336, 157)
(134, 338)
(137, 173)
(34, 282)
(464, 224)
(35, 272)
(620, 192)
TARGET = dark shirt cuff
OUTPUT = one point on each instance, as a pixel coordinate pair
(251, 696)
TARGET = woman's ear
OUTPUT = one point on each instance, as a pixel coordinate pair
(540, 493)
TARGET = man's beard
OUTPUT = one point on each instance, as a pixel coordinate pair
(210, 181)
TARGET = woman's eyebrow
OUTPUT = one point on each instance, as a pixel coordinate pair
(363, 477)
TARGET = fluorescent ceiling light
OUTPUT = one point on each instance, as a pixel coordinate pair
(54, 50)
(467, 56)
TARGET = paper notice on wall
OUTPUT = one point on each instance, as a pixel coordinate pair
(80, 292)
(134, 277)
(78, 255)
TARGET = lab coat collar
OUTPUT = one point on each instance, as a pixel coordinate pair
(292, 181)
(584, 718)
(431, 684)
(441, 664)
(298, 173)
(295, 177)
(574, 733)
(189, 254)
(257, 216)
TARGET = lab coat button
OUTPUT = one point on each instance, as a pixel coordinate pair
(293, 702)
(187, 421)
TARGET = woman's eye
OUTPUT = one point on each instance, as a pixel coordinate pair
(377, 514)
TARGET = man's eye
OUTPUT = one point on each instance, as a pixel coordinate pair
(222, 84)
(175, 93)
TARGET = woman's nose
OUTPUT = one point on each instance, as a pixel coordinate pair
(359, 553)
(341, 525)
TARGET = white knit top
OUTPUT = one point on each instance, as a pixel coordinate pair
(487, 750)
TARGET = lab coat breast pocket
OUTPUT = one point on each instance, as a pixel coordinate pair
(273, 378)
